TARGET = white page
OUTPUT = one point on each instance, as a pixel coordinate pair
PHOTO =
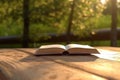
(53, 46)
(78, 46)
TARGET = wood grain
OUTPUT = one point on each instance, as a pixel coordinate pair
(21, 64)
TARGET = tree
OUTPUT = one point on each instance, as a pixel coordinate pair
(107, 10)
(26, 21)
(81, 15)
(114, 23)
(48, 16)
(10, 16)
(68, 32)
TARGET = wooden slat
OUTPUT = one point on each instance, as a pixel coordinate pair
(20, 64)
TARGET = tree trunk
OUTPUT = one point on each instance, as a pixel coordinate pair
(25, 42)
(114, 23)
(70, 21)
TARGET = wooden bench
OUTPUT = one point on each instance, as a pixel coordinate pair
(20, 64)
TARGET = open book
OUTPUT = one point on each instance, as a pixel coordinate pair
(68, 49)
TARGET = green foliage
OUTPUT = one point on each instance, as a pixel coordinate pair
(10, 9)
(11, 17)
(55, 14)
(49, 16)
(10, 30)
(118, 20)
(103, 22)
(84, 13)
(47, 12)
(40, 31)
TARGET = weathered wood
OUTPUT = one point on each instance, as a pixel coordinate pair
(20, 64)
(2, 76)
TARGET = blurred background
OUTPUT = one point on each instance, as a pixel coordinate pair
(31, 23)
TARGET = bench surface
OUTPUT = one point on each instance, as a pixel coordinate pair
(20, 64)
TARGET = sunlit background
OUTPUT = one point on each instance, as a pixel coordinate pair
(50, 18)
(103, 1)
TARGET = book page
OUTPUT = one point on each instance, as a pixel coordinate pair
(50, 49)
(80, 49)
(53, 46)
(69, 46)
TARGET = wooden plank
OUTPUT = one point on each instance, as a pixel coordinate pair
(2, 76)
(100, 67)
(20, 64)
